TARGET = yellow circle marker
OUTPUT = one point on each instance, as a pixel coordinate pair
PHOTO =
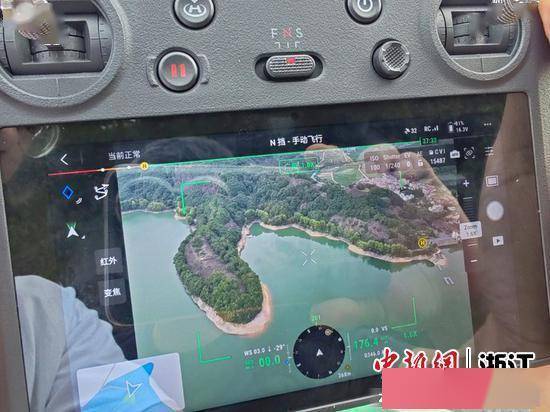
(423, 243)
(144, 166)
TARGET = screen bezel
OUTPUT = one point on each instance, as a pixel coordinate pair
(10, 344)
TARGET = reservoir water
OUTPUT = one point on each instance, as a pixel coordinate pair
(368, 301)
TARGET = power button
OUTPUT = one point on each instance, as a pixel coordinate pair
(364, 11)
(178, 71)
(195, 14)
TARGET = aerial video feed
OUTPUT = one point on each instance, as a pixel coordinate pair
(236, 263)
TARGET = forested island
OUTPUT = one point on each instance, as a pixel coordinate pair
(374, 214)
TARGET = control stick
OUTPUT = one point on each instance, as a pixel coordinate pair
(35, 20)
(500, 13)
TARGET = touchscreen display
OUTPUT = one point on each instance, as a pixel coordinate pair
(203, 262)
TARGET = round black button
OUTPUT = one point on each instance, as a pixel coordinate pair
(178, 71)
(364, 11)
(195, 14)
(319, 352)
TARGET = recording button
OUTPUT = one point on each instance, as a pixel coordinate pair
(178, 71)
(495, 211)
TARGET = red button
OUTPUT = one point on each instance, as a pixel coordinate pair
(178, 71)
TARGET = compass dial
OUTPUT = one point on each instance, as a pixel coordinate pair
(319, 352)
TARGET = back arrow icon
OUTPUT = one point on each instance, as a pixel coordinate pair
(63, 160)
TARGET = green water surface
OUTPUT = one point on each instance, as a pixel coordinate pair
(369, 302)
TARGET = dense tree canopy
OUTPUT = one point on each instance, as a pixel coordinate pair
(237, 196)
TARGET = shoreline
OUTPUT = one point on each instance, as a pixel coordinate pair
(256, 326)
(245, 233)
(180, 218)
(438, 259)
(252, 329)
(176, 216)
(127, 212)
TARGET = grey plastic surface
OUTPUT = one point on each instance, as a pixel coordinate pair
(240, 34)
(228, 49)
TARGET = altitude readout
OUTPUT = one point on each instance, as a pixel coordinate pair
(364, 344)
(319, 352)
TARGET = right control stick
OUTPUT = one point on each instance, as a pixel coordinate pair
(391, 59)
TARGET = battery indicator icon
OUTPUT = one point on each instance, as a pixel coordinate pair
(451, 127)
